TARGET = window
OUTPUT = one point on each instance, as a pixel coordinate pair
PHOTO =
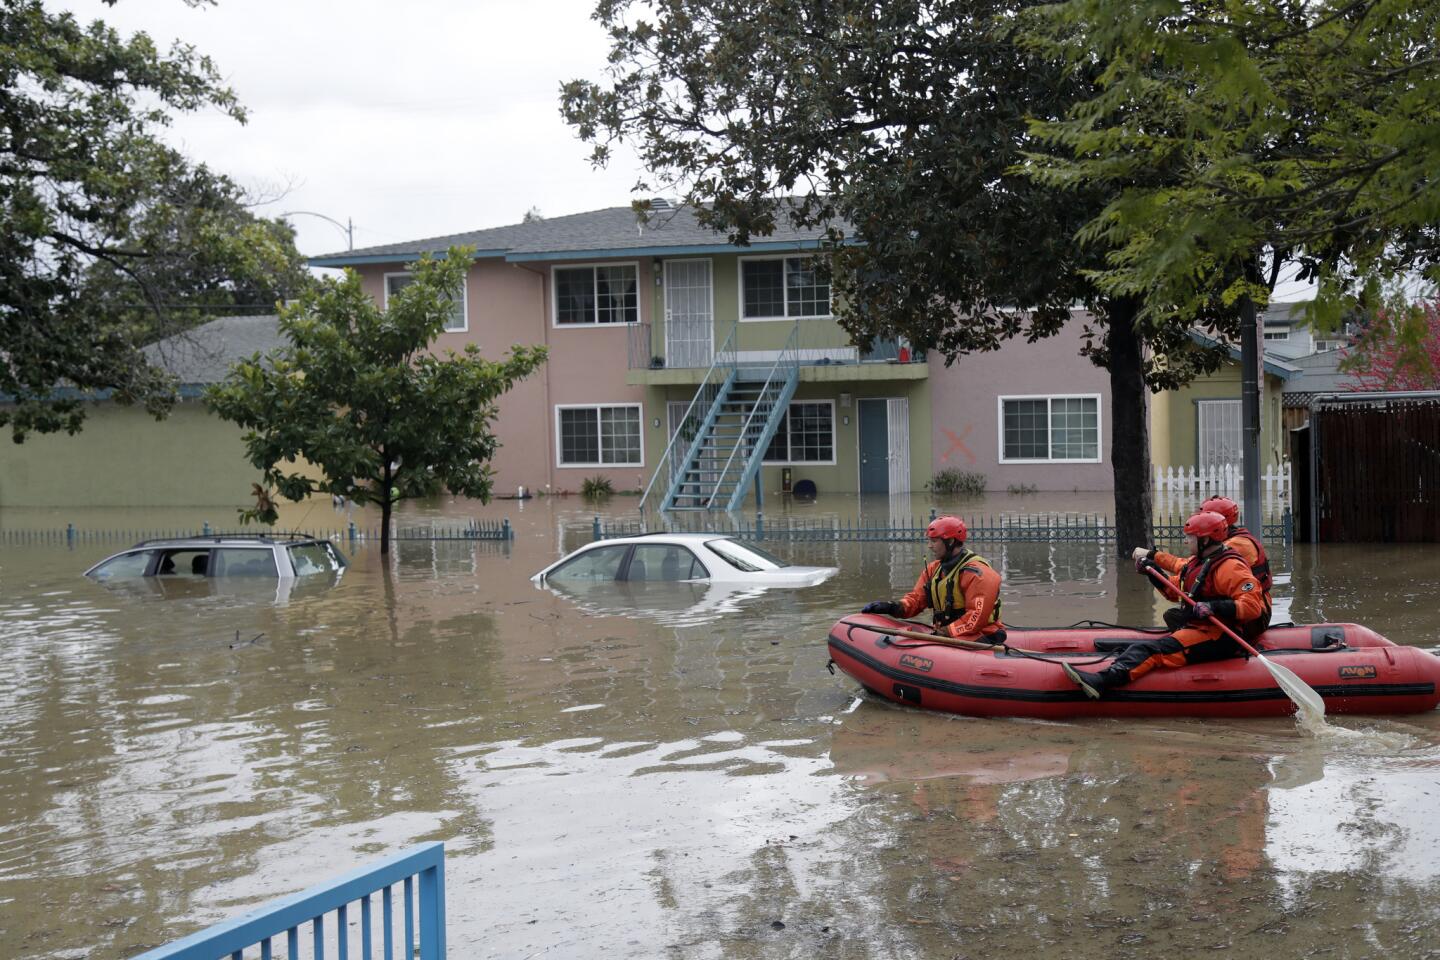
(455, 323)
(806, 434)
(308, 558)
(245, 562)
(600, 436)
(745, 556)
(601, 563)
(1279, 333)
(1049, 429)
(125, 565)
(781, 287)
(589, 296)
(663, 561)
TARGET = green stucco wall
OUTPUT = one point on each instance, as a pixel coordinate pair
(1181, 422)
(123, 457)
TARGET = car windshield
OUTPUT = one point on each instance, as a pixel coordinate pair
(600, 563)
(309, 558)
(744, 556)
(125, 565)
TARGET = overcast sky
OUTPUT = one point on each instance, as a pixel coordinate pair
(415, 119)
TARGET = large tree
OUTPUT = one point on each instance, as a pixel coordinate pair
(900, 126)
(109, 238)
(1228, 132)
(359, 395)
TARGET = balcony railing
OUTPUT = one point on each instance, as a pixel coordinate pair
(816, 342)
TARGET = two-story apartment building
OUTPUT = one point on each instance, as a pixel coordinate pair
(663, 333)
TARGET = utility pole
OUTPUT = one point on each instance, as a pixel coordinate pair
(1251, 360)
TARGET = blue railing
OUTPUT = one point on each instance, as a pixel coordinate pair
(691, 429)
(252, 934)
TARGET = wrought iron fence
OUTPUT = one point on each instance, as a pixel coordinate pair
(353, 534)
(1009, 528)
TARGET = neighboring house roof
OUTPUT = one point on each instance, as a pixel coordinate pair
(612, 232)
(1276, 368)
(1318, 373)
(204, 355)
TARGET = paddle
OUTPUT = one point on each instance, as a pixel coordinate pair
(927, 637)
(1311, 706)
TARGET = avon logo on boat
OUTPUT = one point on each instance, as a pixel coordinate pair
(923, 664)
(1358, 672)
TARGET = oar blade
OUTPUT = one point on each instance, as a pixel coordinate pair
(1312, 706)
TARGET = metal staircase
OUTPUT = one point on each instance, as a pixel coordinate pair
(715, 455)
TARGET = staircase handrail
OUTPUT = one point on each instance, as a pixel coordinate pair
(726, 350)
(788, 357)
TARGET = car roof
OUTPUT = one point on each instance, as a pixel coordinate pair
(233, 540)
(669, 538)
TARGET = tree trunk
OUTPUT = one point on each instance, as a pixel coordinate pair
(386, 505)
(1129, 430)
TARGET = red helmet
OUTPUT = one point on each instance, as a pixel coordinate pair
(947, 528)
(1224, 506)
(1207, 524)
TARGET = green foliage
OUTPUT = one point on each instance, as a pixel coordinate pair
(1228, 129)
(954, 481)
(109, 238)
(596, 488)
(1021, 489)
(358, 395)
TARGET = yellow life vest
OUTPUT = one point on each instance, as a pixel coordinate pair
(945, 590)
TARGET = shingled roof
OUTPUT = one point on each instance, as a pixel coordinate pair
(204, 355)
(612, 232)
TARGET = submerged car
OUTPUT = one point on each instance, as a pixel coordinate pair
(272, 556)
(680, 557)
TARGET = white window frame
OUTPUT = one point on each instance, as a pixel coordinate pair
(592, 267)
(1277, 334)
(560, 440)
(785, 289)
(808, 463)
(1099, 426)
(464, 300)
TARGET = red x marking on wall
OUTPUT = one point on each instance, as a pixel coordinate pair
(958, 443)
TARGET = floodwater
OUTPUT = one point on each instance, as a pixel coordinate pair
(671, 772)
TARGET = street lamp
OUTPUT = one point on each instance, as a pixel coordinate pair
(348, 226)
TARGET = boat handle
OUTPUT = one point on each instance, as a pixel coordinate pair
(1205, 678)
(998, 674)
(1063, 645)
(1389, 655)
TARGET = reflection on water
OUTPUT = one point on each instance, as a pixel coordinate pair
(659, 771)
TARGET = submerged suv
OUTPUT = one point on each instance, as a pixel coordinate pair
(262, 555)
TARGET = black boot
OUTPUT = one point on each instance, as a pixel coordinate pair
(1095, 684)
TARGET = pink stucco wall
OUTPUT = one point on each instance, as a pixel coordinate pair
(509, 304)
(965, 416)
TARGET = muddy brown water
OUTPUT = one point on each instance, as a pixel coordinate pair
(670, 771)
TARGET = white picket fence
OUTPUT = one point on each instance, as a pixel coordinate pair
(1190, 485)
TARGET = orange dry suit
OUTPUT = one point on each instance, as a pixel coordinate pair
(964, 592)
(1222, 579)
(1252, 551)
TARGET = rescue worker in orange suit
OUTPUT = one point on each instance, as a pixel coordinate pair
(1222, 586)
(1237, 538)
(960, 586)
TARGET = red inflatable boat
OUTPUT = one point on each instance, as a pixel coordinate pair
(1354, 668)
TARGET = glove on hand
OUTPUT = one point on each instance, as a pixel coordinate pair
(1143, 563)
(1139, 553)
(887, 607)
(1202, 610)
